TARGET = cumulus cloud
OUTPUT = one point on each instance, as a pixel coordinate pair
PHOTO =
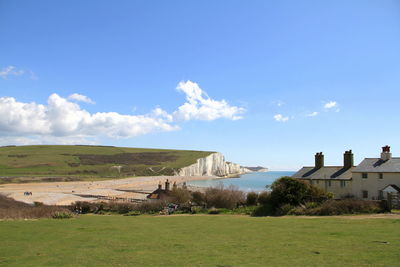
(330, 104)
(60, 117)
(200, 106)
(313, 114)
(63, 121)
(81, 98)
(280, 118)
(10, 71)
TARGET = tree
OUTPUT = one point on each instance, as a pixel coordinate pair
(288, 190)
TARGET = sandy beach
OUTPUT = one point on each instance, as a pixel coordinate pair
(65, 193)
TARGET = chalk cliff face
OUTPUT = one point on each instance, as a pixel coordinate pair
(212, 165)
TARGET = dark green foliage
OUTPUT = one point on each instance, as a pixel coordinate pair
(264, 198)
(288, 190)
(264, 210)
(251, 198)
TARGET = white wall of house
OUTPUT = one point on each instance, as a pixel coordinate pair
(373, 183)
(336, 187)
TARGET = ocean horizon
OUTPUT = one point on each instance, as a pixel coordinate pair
(255, 181)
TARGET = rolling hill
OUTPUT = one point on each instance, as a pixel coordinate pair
(84, 162)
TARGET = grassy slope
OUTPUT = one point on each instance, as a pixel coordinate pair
(57, 161)
(222, 240)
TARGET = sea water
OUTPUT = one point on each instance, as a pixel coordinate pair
(255, 181)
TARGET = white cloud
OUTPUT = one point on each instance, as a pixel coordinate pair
(312, 114)
(81, 98)
(200, 106)
(10, 71)
(61, 117)
(280, 118)
(64, 122)
(330, 104)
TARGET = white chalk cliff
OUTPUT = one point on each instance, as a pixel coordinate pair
(212, 165)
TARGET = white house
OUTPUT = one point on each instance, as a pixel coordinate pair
(373, 178)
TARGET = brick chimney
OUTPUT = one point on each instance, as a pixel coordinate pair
(348, 159)
(319, 160)
(386, 155)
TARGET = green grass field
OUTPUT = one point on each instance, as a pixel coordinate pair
(66, 163)
(200, 240)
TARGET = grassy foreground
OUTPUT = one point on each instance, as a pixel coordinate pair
(72, 163)
(219, 240)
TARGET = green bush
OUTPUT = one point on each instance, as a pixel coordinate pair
(264, 210)
(213, 211)
(284, 209)
(288, 190)
(62, 215)
(251, 198)
(264, 198)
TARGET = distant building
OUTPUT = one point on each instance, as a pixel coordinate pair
(335, 179)
(373, 178)
(160, 193)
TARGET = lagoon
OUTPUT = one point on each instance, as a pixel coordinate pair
(255, 181)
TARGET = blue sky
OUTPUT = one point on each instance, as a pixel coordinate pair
(264, 82)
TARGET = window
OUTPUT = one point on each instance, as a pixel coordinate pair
(329, 183)
(364, 175)
(312, 182)
(380, 194)
(365, 194)
(317, 181)
(342, 184)
(380, 175)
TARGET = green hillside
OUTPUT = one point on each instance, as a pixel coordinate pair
(72, 163)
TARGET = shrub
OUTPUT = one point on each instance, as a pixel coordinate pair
(197, 209)
(37, 203)
(221, 197)
(263, 210)
(133, 213)
(180, 196)
(12, 209)
(62, 215)
(150, 206)
(264, 198)
(213, 211)
(339, 207)
(311, 205)
(251, 198)
(287, 190)
(198, 198)
(284, 209)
